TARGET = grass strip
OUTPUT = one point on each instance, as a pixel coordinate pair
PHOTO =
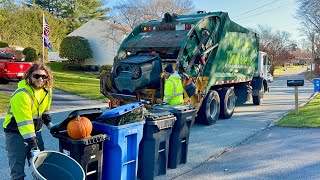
(308, 116)
(4, 103)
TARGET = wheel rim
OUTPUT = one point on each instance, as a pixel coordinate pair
(262, 91)
(230, 103)
(213, 108)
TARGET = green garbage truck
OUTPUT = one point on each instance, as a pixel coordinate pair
(219, 62)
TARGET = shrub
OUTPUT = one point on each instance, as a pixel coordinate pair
(106, 68)
(31, 56)
(3, 44)
(27, 49)
(76, 49)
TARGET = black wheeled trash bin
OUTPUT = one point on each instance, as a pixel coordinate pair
(179, 139)
(154, 146)
(87, 152)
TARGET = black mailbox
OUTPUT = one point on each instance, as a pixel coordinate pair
(295, 82)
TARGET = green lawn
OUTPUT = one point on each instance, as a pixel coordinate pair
(279, 69)
(80, 83)
(4, 102)
(308, 116)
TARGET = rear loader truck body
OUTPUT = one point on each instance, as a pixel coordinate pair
(219, 62)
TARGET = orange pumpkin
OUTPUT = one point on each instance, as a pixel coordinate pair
(79, 128)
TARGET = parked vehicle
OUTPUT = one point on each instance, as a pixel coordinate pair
(269, 78)
(219, 62)
(10, 69)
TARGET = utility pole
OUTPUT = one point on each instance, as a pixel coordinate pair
(312, 53)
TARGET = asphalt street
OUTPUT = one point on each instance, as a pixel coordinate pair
(207, 143)
(276, 153)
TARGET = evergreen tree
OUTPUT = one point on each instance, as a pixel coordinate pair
(22, 26)
(76, 12)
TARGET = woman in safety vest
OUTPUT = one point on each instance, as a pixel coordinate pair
(28, 110)
(173, 89)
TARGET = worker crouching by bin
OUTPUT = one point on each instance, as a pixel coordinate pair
(88, 152)
(179, 138)
(124, 128)
(154, 146)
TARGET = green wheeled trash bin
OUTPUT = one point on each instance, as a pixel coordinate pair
(88, 152)
(154, 146)
(179, 139)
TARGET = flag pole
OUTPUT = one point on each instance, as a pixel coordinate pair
(42, 38)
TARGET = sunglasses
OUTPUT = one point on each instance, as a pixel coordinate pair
(37, 76)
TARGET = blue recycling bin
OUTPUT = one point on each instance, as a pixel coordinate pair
(316, 83)
(120, 152)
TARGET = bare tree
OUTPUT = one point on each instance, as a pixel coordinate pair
(312, 36)
(277, 44)
(304, 53)
(133, 12)
(309, 13)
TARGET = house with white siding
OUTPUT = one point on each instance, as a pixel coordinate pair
(104, 39)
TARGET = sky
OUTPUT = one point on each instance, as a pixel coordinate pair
(278, 14)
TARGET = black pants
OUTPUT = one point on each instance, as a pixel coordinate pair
(17, 153)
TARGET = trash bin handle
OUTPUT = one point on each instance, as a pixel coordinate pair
(132, 161)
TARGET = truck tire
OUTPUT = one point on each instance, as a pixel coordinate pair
(210, 109)
(227, 102)
(242, 93)
(257, 100)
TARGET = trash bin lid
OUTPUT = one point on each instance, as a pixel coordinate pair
(91, 114)
(120, 110)
(161, 119)
(155, 115)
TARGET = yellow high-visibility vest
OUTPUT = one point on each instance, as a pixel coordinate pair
(173, 90)
(27, 105)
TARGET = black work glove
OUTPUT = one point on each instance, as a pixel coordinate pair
(46, 119)
(31, 147)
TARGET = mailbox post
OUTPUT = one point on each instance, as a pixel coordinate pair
(295, 83)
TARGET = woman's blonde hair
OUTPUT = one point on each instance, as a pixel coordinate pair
(39, 66)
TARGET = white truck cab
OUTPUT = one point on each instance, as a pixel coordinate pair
(264, 64)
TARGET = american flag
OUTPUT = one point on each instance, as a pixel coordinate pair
(46, 27)
(45, 35)
(46, 42)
